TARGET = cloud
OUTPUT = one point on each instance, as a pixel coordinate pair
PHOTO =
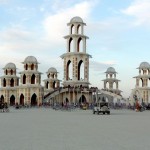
(55, 24)
(101, 66)
(140, 10)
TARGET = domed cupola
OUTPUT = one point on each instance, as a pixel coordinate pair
(110, 70)
(10, 69)
(51, 82)
(76, 20)
(30, 63)
(144, 68)
(52, 73)
(111, 84)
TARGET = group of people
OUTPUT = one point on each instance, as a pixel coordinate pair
(3, 107)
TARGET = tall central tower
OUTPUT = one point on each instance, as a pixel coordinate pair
(76, 60)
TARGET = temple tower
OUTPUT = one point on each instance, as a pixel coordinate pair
(76, 59)
(111, 84)
(30, 90)
(51, 83)
(9, 83)
(142, 87)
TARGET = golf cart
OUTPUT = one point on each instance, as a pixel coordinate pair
(101, 107)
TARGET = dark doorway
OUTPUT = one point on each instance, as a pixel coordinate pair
(34, 100)
(82, 99)
(2, 99)
(12, 100)
(22, 99)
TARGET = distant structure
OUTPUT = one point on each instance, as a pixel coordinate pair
(111, 83)
(141, 92)
(29, 91)
(110, 91)
(75, 89)
(51, 83)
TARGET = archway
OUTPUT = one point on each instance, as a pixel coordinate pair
(12, 82)
(34, 100)
(72, 29)
(32, 67)
(47, 83)
(80, 45)
(11, 72)
(54, 85)
(70, 45)
(69, 71)
(22, 99)
(141, 82)
(80, 70)
(33, 79)
(2, 99)
(82, 100)
(79, 29)
(12, 100)
(6, 72)
(26, 66)
(24, 79)
(4, 82)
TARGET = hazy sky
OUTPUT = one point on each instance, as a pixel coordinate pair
(118, 30)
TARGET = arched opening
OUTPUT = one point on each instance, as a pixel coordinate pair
(141, 82)
(80, 45)
(24, 79)
(33, 79)
(79, 29)
(12, 100)
(66, 101)
(107, 85)
(114, 85)
(26, 67)
(80, 70)
(82, 100)
(70, 45)
(54, 85)
(11, 72)
(47, 83)
(72, 29)
(69, 71)
(22, 99)
(2, 99)
(12, 82)
(32, 67)
(6, 72)
(4, 82)
(34, 100)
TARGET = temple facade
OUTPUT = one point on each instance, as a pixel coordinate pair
(141, 92)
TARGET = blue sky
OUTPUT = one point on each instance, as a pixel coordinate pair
(118, 30)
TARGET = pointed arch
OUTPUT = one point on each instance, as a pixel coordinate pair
(82, 99)
(22, 99)
(12, 82)
(6, 72)
(54, 85)
(80, 70)
(34, 100)
(141, 83)
(12, 100)
(11, 72)
(69, 70)
(107, 85)
(4, 82)
(70, 44)
(72, 29)
(24, 79)
(33, 79)
(26, 67)
(80, 45)
(79, 29)
(47, 85)
(114, 85)
(2, 99)
(32, 66)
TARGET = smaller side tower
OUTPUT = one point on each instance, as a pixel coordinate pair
(111, 84)
(9, 83)
(51, 83)
(142, 87)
